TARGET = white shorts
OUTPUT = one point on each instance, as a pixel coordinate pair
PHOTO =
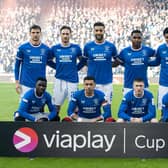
(126, 90)
(24, 89)
(162, 90)
(81, 119)
(62, 90)
(107, 90)
(36, 115)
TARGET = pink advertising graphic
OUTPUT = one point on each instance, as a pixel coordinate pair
(25, 139)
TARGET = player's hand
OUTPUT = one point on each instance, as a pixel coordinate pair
(74, 116)
(98, 119)
(18, 88)
(136, 120)
(42, 120)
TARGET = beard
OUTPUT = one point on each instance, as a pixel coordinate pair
(99, 37)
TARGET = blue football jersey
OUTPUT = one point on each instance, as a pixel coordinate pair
(31, 103)
(165, 107)
(132, 106)
(88, 107)
(31, 63)
(136, 63)
(66, 61)
(99, 60)
(162, 59)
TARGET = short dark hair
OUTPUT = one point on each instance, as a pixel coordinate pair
(65, 27)
(35, 27)
(136, 31)
(41, 79)
(89, 78)
(165, 31)
(138, 80)
(99, 24)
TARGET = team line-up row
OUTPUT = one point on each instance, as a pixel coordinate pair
(99, 56)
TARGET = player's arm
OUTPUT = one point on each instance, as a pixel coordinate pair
(82, 62)
(50, 59)
(123, 109)
(151, 111)
(107, 109)
(115, 62)
(52, 108)
(71, 108)
(164, 117)
(24, 110)
(18, 62)
(154, 59)
(119, 59)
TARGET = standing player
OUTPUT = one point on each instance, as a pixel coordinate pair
(135, 59)
(137, 105)
(66, 55)
(33, 102)
(31, 60)
(162, 59)
(99, 56)
(89, 102)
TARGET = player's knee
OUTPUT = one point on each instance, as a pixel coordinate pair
(120, 120)
(154, 120)
(17, 117)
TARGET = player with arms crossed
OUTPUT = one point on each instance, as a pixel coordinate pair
(31, 60)
(99, 56)
(137, 105)
(136, 59)
(89, 102)
(33, 102)
(66, 55)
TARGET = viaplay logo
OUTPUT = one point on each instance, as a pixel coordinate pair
(25, 139)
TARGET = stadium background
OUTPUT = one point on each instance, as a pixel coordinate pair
(119, 16)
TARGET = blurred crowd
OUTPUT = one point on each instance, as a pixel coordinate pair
(119, 16)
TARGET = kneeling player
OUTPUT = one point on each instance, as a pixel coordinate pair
(32, 104)
(137, 105)
(89, 102)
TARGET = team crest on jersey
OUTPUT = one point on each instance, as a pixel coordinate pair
(144, 101)
(33, 101)
(164, 52)
(83, 101)
(58, 50)
(43, 101)
(96, 101)
(144, 53)
(28, 51)
(129, 54)
(92, 49)
(42, 51)
(107, 48)
(73, 49)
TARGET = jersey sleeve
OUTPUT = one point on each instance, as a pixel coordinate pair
(18, 60)
(51, 107)
(165, 108)
(50, 59)
(122, 113)
(151, 110)
(72, 105)
(24, 109)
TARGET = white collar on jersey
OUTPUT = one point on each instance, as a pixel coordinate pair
(35, 45)
(136, 49)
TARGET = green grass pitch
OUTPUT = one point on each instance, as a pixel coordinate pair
(9, 103)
